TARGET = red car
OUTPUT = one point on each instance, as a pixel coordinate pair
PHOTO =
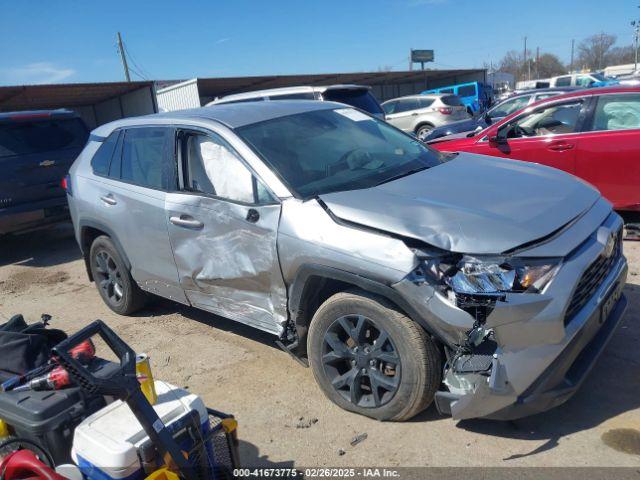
(593, 134)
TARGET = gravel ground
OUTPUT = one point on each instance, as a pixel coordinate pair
(285, 420)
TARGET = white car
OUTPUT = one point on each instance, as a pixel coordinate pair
(419, 114)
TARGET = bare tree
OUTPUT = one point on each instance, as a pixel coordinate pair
(512, 63)
(620, 55)
(549, 65)
(592, 52)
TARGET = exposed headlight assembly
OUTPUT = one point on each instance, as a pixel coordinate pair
(476, 276)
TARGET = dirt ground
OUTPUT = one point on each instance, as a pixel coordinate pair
(286, 421)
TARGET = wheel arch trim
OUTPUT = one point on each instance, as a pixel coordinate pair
(83, 226)
(299, 293)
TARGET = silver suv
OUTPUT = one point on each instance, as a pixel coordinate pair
(401, 274)
(422, 113)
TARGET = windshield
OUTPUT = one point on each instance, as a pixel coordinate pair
(325, 151)
(360, 98)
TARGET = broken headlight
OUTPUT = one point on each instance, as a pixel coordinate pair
(493, 276)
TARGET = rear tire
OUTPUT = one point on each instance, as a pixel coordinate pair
(115, 284)
(386, 368)
(423, 130)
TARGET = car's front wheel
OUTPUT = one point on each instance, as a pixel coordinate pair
(116, 286)
(370, 358)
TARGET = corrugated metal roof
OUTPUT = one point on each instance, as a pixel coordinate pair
(215, 87)
(26, 97)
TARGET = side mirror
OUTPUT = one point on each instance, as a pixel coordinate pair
(487, 118)
(500, 138)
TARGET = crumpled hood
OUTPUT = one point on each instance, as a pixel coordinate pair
(471, 204)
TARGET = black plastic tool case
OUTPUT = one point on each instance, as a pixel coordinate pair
(49, 417)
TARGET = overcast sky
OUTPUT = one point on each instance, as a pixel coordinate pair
(58, 41)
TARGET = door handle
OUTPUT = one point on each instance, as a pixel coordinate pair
(560, 146)
(415, 114)
(253, 215)
(186, 221)
(109, 200)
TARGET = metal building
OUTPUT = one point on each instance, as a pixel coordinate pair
(97, 103)
(385, 85)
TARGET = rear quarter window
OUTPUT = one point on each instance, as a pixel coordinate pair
(101, 161)
(40, 136)
(452, 101)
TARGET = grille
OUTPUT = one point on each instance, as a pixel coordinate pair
(592, 279)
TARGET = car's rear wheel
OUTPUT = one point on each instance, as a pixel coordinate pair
(370, 358)
(113, 279)
(422, 131)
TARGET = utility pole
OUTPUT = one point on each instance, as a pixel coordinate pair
(124, 58)
(573, 42)
(636, 35)
(537, 62)
(525, 57)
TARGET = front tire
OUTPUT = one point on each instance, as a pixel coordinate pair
(115, 284)
(370, 358)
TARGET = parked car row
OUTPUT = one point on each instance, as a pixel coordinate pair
(494, 114)
(593, 134)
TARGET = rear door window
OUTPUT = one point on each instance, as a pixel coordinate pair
(406, 105)
(40, 136)
(425, 102)
(144, 159)
(359, 98)
(563, 81)
(617, 112)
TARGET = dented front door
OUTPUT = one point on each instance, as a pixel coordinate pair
(226, 258)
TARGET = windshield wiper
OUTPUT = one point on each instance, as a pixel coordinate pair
(403, 174)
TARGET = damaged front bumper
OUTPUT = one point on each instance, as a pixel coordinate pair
(542, 349)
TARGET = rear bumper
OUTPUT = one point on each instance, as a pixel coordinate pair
(565, 375)
(33, 215)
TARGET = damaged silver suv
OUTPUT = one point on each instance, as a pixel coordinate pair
(403, 275)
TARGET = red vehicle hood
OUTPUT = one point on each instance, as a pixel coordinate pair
(455, 144)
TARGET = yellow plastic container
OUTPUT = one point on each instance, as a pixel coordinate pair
(4, 429)
(163, 474)
(145, 377)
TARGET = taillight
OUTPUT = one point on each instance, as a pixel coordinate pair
(66, 184)
(445, 110)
